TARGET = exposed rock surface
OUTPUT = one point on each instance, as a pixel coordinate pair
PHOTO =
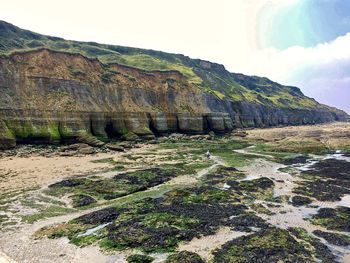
(49, 96)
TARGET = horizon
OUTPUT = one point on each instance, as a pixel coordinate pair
(307, 50)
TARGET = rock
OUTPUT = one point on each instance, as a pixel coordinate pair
(87, 150)
(7, 143)
(66, 183)
(105, 107)
(239, 133)
(77, 148)
(90, 140)
(138, 258)
(125, 145)
(68, 153)
(176, 135)
(148, 137)
(333, 238)
(300, 200)
(296, 160)
(100, 217)
(130, 136)
(142, 132)
(162, 139)
(184, 257)
(115, 147)
(199, 137)
(82, 200)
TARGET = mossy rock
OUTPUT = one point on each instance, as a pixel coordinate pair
(130, 136)
(300, 200)
(7, 143)
(184, 257)
(333, 219)
(268, 245)
(137, 258)
(82, 200)
(333, 238)
(143, 131)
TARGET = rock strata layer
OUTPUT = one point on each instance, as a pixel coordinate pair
(49, 96)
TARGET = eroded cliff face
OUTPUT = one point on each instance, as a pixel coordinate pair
(47, 96)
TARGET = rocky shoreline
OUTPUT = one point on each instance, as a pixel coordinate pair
(162, 201)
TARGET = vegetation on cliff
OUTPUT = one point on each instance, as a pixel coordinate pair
(56, 90)
(207, 76)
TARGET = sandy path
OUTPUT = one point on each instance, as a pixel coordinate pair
(204, 245)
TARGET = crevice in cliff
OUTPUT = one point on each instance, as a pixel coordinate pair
(152, 125)
(206, 124)
(110, 131)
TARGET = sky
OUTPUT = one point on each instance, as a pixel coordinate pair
(305, 43)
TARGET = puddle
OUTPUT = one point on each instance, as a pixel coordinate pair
(224, 187)
(159, 257)
(93, 230)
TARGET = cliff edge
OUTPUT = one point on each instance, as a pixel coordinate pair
(54, 90)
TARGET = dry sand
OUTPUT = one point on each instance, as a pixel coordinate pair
(20, 173)
(331, 134)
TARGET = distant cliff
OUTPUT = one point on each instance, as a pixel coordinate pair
(58, 91)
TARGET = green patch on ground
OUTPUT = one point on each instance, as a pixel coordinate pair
(326, 180)
(111, 188)
(333, 219)
(313, 245)
(137, 258)
(285, 151)
(45, 212)
(261, 209)
(223, 148)
(333, 238)
(268, 245)
(159, 224)
(260, 188)
(184, 257)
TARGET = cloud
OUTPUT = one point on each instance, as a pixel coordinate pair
(322, 72)
(280, 64)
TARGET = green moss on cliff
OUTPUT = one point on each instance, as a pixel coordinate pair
(5, 131)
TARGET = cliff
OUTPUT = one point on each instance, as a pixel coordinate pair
(53, 93)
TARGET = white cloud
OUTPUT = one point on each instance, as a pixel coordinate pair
(280, 64)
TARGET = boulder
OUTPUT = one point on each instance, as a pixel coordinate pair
(68, 153)
(77, 148)
(239, 133)
(148, 137)
(125, 145)
(90, 140)
(115, 147)
(130, 136)
(7, 143)
(300, 200)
